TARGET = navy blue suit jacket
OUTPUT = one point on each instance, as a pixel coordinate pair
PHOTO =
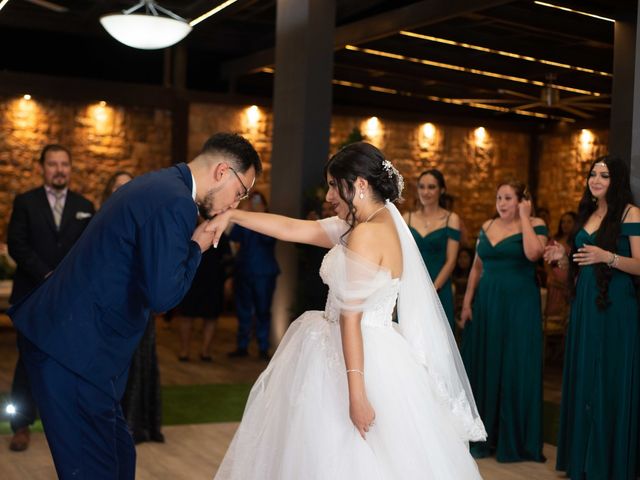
(135, 256)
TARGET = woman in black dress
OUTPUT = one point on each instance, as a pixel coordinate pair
(205, 299)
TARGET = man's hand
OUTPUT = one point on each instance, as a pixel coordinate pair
(202, 237)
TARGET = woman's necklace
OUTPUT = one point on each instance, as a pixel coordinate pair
(428, 221)
(373, 214)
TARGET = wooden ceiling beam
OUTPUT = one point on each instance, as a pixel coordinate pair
(418, 14)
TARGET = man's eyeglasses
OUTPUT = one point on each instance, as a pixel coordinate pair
(246, 190)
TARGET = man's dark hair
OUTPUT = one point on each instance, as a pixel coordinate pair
(53, 147)
(235, 146)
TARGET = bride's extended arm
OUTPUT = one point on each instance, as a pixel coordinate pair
(277, 226)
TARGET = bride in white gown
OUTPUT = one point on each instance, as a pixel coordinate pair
(350, 394)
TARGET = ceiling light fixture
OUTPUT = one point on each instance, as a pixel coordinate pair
(148, 30)
(567, 9)
(503, 53)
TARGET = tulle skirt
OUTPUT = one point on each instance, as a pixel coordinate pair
(296, 423)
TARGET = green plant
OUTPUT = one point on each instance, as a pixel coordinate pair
(354, 136)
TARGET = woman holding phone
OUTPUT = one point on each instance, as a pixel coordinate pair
(502, 322)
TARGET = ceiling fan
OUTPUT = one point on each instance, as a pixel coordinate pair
(49, 5)
(550, 98)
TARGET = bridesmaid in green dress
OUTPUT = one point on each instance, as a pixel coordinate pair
(502, 321)
(437, 233)
(599, 423)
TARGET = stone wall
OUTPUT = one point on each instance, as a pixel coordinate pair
(102, 139)
(252, 122)
(473, 160)
(564, 164)
(105, 138)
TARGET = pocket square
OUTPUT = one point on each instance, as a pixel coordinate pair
(82, 215)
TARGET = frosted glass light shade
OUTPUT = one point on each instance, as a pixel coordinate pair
(147, 32)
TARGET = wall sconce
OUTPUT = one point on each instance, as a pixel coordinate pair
(24, 112)
(586, 140)
(102, 116)
(480, 135)
(373, 130)
(253, 116)
(429, 131)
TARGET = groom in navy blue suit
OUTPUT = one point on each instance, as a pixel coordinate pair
(79, 329)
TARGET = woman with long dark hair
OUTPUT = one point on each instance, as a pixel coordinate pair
(599, 424)
(437, 233)
(349, 394)
(502, 321)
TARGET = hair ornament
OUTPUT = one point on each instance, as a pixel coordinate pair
(388, 167)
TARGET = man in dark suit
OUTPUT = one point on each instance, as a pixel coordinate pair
(79, 329)
(44, 225)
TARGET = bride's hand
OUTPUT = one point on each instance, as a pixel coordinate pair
(217, 225)
(362, 415)
(202, 236)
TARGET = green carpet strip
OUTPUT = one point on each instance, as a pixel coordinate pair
(192, 404)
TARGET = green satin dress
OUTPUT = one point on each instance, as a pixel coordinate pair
(502, 351)
(433, 248)
(599, 424)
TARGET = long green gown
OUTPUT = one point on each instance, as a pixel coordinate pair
(502, 351)
(433, 248)
(601, 381)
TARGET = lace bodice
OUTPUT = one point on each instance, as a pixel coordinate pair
(378, 308)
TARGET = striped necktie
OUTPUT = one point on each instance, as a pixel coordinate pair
(58, 206)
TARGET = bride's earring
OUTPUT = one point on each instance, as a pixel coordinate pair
(361, 194)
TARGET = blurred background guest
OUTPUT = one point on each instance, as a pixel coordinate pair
(205, 299)
(256, 270)
(311, 291)
(115, 181)
(437, 233)
(502, 321)
(45, 223)
(557, 284)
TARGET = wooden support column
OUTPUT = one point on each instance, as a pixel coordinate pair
(302, 120)
(176, 57)
(624, 134)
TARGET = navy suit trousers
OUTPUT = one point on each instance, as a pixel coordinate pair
(87, 433)
(254, 295)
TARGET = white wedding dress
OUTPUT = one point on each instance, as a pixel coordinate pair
(296, 424)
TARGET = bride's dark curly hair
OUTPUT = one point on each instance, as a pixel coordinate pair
(618, 196)
(362, 160)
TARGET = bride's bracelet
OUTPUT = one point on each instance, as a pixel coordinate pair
(355, 370)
